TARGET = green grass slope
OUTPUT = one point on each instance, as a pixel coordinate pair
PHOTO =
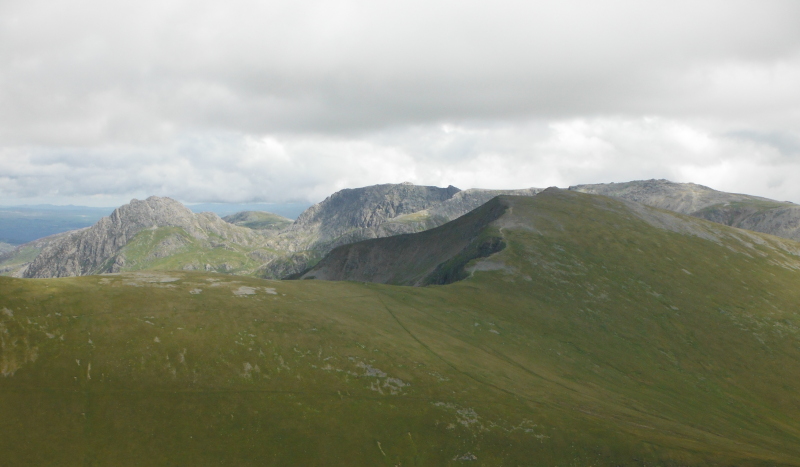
(595, 337)
(172, 248)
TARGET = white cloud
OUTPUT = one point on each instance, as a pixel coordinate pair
(280, 168)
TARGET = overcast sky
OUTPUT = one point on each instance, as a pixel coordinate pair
(102, 101)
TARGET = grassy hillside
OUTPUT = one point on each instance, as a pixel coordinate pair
(593, 338)
(258, 220)
(172, 248)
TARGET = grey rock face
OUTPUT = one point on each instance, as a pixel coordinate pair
(88, 250)
(458, 205)
(755, 213)
(368, 207)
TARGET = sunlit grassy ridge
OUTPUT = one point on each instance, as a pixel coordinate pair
(599, 339)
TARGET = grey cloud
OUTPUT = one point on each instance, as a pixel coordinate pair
(229, 167)
(84, 72)
(283, 101)
(786, 142)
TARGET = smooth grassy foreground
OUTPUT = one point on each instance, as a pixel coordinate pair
(598, 340)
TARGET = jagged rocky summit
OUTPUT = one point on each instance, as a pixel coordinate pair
(97, 249)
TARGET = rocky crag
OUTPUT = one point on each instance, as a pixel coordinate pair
(736, 210)
(97, 249)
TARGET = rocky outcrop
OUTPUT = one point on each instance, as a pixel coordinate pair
(755, 213)
(366, 209)
(93, 250)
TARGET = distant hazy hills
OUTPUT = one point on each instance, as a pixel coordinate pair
(587, 331)
(160, 233)
(23, 224)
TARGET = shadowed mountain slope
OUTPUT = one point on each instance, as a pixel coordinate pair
(377, 211)
(604, 333)
(435, 256)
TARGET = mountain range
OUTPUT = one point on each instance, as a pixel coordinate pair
(564, 328)
(161, 233)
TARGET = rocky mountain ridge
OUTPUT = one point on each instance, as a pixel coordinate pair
(780, 218)
(161, 233)
(146, 234)
(452, 251)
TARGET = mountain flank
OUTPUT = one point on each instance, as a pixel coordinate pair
(435, 256)
(450, 252)
(378, 211)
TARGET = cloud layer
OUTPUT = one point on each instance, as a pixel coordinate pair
(274, 101)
